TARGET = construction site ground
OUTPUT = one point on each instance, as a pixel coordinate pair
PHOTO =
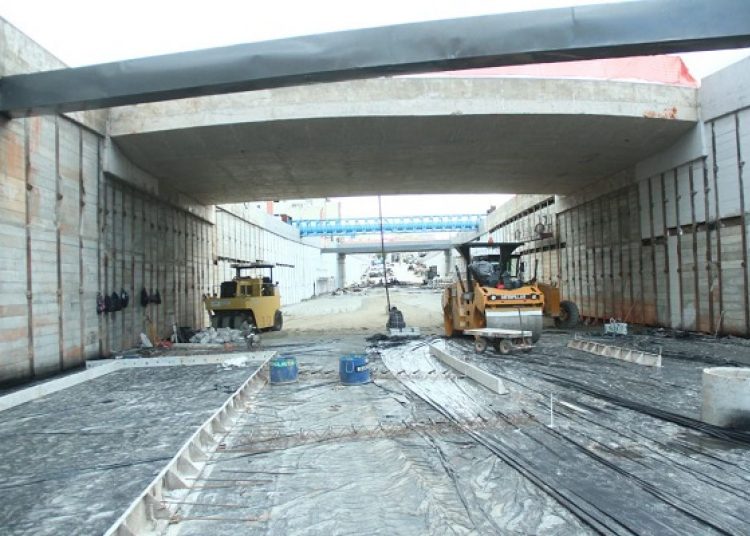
(582, 444)
(74, 460)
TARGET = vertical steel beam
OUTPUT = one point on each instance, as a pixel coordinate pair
(99, 231)
(678, 227)
(709, 248)
(655, 286)
(607, 305)
(665, 234)
(29, 270)
(694, 227)
(719, 259)
(571, 249)
(81, 265)
(133, 217)
(641, 264)
(558, 255)
(615, 257)
(743, 222)
(119, 282)
(603, 224)
(632, 191)
(585, 254)
(617, 202)
(58, 249)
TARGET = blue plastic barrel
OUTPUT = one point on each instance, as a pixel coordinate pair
(283, 369)
(354, 369)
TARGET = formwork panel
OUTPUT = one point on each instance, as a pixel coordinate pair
(742, 127)
(724, 147)
(686, 280)
(43, 220)
(656, 206)
(673, 280)
(733, 280)
(709, 180)
(69, 263)
(644, 201)
(13, 174)
(704, 284)
(669, 202)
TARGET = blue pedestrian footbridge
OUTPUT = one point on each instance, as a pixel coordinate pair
(409, 224)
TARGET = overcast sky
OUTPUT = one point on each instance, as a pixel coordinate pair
(82, 32)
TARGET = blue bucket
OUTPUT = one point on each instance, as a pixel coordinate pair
(283, 369)
(354, 369)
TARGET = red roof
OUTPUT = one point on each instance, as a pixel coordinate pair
(660, 69)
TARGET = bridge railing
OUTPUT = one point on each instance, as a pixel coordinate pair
(408, 224)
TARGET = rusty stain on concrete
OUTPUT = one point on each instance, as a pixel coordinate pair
(666, 113)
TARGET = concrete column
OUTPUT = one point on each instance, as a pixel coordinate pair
(341, 270)
(448, 263)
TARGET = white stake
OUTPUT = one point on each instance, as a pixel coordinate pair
(551, 412)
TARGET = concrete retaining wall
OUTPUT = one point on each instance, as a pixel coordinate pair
(149, 244)
(245, 234)
(48, 259)
(70, 231)
(663, 244)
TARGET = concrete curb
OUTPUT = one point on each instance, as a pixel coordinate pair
(639, 357)
(148, 510)
(493, 383)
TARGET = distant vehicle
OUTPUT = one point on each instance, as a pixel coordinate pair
(252, 299)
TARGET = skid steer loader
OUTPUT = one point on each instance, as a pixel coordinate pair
(493, 293)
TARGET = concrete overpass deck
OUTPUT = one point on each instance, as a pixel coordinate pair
(403, 135)
(358, 248)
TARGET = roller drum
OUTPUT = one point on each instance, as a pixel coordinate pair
(520, 319)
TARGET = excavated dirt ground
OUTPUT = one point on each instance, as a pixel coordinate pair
(366, 311)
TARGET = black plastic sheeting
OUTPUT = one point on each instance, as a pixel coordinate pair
(574, 33)
(620, 463)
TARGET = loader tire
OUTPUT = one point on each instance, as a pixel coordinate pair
(278, 321)
(569, 315)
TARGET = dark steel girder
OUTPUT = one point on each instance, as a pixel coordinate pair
(584, 32)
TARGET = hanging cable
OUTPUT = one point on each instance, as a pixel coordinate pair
(382, 254)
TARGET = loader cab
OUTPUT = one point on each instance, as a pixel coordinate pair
(492, 264)
(503, 265)
(252, 286)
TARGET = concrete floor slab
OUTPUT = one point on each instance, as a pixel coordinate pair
(72, 461)
(317, 457)
(421, 452)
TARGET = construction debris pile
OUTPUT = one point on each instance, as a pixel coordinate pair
(219, 336)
